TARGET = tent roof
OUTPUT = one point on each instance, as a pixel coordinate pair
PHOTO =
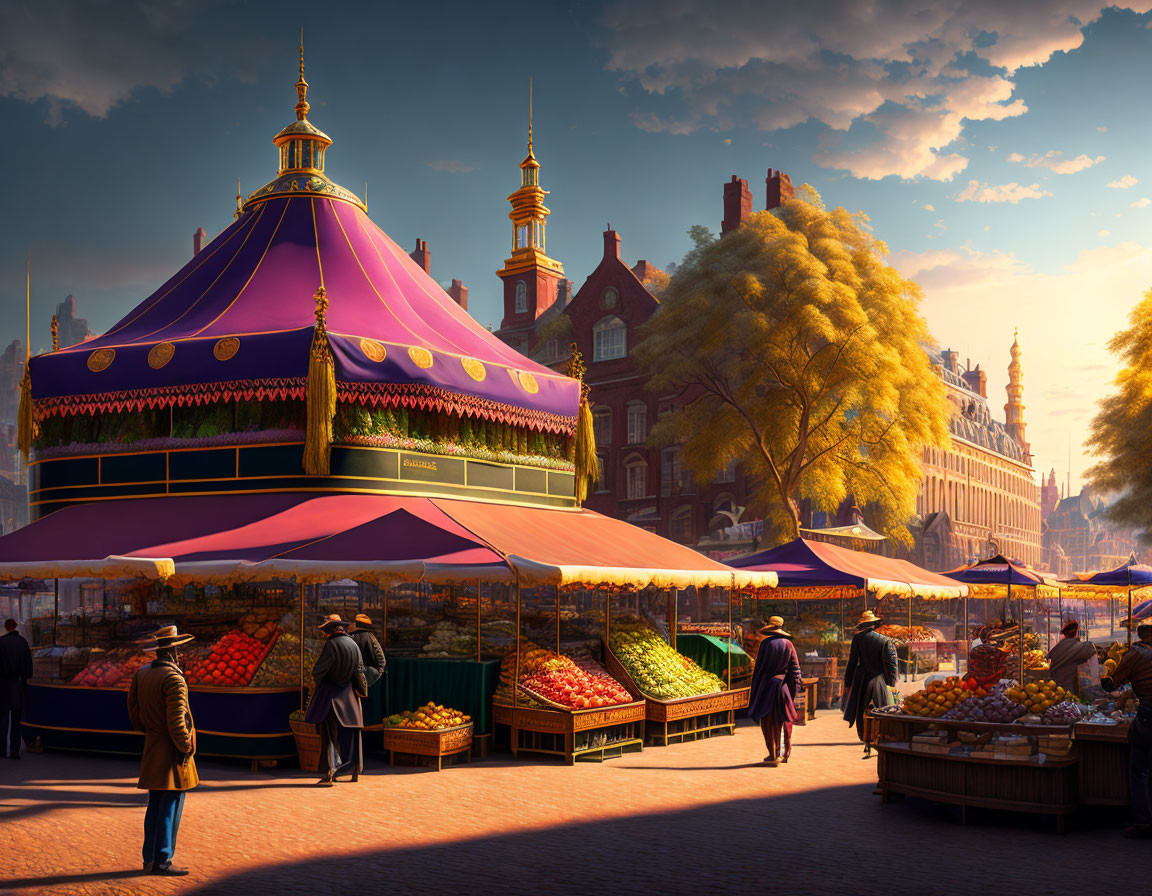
(999, 570)
(1130, 574)
(804, 564)
(230, 538)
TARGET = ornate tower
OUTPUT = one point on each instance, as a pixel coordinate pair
(530, 276)
(1014, 409)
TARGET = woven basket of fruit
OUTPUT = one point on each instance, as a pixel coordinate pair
(307, 738)
(431, 730)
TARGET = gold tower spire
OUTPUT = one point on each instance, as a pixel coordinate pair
(302, 106)
(529, 115)
(239, 201)
(1014, 409)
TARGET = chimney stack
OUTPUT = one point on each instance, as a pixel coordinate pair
(611, 244)
(779, 189)
(737, 204)
(422, 256)
(459, 293)
(951, 360)
(977, 381)
(198, 241)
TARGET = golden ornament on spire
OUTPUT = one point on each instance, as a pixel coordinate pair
(320, 394)
(239, 202)
(529, 115)
(302, 107)
(55, 334)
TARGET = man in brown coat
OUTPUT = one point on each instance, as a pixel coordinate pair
(158, 706)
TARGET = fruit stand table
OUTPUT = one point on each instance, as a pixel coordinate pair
(466, 685)
(1103, 764)
(437, 744)
(595, 733)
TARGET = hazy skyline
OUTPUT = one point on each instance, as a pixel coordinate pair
(1000, 149)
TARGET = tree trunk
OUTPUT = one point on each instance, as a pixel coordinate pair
(793, 514)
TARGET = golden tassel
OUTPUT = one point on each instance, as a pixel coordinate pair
(320, 401)
(24, 416)
(587, 462)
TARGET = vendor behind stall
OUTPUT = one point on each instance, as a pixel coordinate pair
(987, 662)
(1136, 667)
(1068, 655)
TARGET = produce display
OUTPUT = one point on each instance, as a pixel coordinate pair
(1037, 660)
(572, 683)
(988, 706)
(915, 633)
(1067, 712)
(1012, 644)
(1038, 696)
(232, 661)
(657, 669)
(281, 668)
(1110, 657)
(111, 669)
(938, 697)
(503, 696)
(429, 717)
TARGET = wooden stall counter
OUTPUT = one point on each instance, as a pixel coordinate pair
(1103, 764)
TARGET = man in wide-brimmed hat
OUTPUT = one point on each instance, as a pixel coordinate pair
(775, 682)
(374, 662)
(870, 673)
(158, 706)
(335, 706)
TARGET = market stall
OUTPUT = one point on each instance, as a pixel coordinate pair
(1122, 583)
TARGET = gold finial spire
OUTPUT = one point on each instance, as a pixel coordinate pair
(55, 334)
(302, 107)
(529, 115)
(239, 201)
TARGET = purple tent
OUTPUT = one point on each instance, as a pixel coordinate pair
(1129, 574)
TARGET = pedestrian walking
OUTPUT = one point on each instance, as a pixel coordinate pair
(15, 670)
(335, 706)
(869, 675)
(1136, 667)
(374, 662)
(158, 706)
(775, 683)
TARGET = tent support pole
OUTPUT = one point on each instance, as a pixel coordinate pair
(56, 608)
(607, 619)
(728, 640)
(301, 588)
(911, 676)
(1129, 610)
(516, 671)
(557, 620)
(477, 620)
(841, 638)
(967, 637)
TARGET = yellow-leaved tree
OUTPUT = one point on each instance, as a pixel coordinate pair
(1119, 436)
(799, 352)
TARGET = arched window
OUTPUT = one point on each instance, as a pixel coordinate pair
(609, 339)
(602, 426)
(637, 473)
(680, 526)
(637, 423)
(521, 296)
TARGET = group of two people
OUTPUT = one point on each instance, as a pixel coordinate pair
(349, 663)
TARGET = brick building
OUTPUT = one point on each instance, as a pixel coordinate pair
(1078, 537)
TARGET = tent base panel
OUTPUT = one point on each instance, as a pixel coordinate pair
(231, 723)
(583, 734)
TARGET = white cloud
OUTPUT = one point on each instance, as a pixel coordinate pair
(452, 166)
(1123, 183)
(1013, 192)
(966, 289)
(897, 82)
(1103, 233)
(1102, 129)
(929, 207)
(1054, 160)
(90, 57)
(1142, 202)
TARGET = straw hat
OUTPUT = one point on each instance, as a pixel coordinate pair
(775, 626)
(168, 637)
(867, 620)
(333, 623)
(363, 620)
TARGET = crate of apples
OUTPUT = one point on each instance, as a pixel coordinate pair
(937, 697)
(231, 663)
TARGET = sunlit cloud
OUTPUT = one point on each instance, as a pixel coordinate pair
(1123, 183)
(1142, 202)
(1054, 161)
(1013, 192)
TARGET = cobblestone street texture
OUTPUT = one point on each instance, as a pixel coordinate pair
(683, 818)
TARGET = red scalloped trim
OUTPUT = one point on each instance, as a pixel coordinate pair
(408, 395)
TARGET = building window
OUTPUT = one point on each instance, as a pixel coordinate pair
(670, 472)
(637, 471)
(603, 481)
(637, 423)
(521, 237)
(551, 350)
(728, 474)
(521, 297)
(610, 297)
(602, 425)
(680, 526)
(608, 340)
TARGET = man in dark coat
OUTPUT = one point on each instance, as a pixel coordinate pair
(158, 706)
(335, 706)
(15, 670)
(374, 662)
(775, 682)
(870, 672)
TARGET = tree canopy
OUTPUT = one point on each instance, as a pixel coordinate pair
(800, 353)
(1119, 436)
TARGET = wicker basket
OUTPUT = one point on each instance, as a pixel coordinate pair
(307, 744)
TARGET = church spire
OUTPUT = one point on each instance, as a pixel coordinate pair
(302, 106)
(1014, 409)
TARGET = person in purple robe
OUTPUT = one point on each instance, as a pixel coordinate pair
(775, 682)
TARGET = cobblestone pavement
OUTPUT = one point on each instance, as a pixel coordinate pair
(674, 819)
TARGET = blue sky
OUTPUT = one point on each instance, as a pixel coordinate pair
(1001, 150)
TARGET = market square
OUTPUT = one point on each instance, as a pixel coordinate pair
(318, 566)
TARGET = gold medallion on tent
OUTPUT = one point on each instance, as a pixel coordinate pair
(373, 350)
(160, 354)
(527, 382)
(421, 357)
(226, 348)
(474, 369)
(101, 359)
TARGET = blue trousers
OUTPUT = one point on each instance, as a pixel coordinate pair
(161, 822)
(1139, 762)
